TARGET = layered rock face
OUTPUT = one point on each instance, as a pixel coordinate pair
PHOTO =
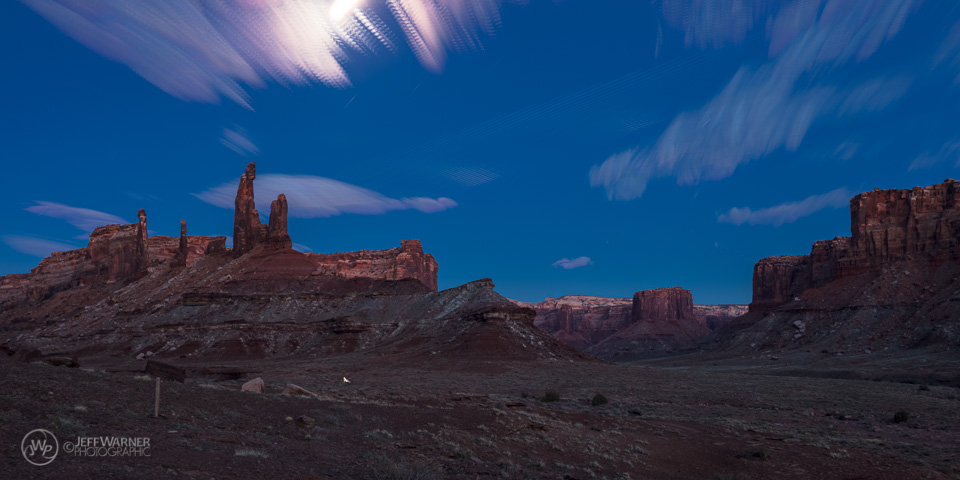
(165, 249)
(669, 322)
(716, 316)
(582, 320)
(887, 226)
(672, 304)
(406, 261)
(114, 252)
(892, 285)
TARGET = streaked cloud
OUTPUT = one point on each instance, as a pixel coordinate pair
(301, 248)
(82, 218)
(949, 152)
(36, 246)
(712, 24)
(203, 51)
(567, 264)
(236, 139)
(767, 108)
(787, 212)
(311, 197)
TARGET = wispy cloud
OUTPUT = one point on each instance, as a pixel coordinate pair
(567, 264)
(787, 212)
(36, 246)
(767, 108)
(301, 248)
(310, 197)
(712, 24)
(82, 218)
(949, 152)
(236, 139)
(202, 51)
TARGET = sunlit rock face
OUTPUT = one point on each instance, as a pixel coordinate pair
(407, 261)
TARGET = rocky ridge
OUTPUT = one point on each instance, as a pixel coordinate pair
(660, 323)
(198, 300)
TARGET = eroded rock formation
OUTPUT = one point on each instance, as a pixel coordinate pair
(586, 321)
(247, 230)
(143, 256)
(182, 248)
(277, 236)
(126, 253)
(892, 285)
(887, 226)
(406, 261)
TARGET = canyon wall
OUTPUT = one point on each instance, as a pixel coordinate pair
(887, 226)
(406, 261)
(663, 319)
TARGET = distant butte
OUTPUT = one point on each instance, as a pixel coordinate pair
(653, 323)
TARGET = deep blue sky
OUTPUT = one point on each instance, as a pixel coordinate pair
(635, 134)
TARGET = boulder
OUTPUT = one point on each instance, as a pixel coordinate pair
(299, 391)
(255, 386)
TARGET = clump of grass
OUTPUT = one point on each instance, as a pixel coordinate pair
(901, 416)
(599, 399)
(550, 396)
(841, 453)
(378, 435)
(249, 452)
(71, 426)
(383, 467)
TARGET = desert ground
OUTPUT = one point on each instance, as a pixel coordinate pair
(403, 418)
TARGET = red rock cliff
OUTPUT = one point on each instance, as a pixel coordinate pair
(887, 226)
(606, 326)
(671, 304)
(406, 261)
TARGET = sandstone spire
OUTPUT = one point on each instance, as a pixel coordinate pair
(277, 235)
(246, 221)
(143, 260)
(181, 260)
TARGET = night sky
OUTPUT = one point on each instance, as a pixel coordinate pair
(557, 147)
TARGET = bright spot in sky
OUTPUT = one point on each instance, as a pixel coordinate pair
(341, 8)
